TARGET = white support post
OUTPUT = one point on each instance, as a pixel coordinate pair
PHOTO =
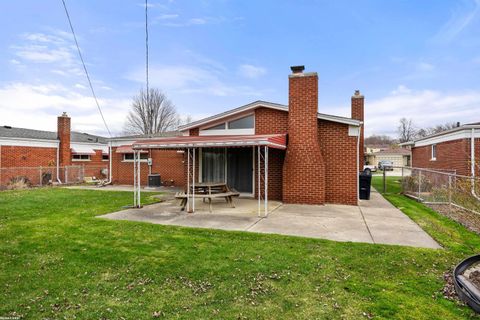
(193, 182)
(188, 179)
(139, 177)
(265, 199)
(134, 179)
(259, 191)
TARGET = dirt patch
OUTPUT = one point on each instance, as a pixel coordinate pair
(448, 291)
(466, 218)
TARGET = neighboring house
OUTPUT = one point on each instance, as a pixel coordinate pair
(400, 157)
(27, 148)
(456, 149)
(314, 158)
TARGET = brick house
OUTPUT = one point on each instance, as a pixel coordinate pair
(457, 149)
(314, 158)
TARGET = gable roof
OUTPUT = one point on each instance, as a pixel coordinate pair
(265, 104)
(456, 133)
(22, 133)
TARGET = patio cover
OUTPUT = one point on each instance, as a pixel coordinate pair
(126, 149)
(276, 141)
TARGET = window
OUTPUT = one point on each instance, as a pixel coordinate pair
(81, 157)
(129, 157)
(242, 123)
(434, 152)
(217, 127)
(105, 157)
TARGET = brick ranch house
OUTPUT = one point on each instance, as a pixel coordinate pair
(314, 158)
(23, 151)
(456, 149)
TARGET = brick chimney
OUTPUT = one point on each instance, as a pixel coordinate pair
(358, 102)
(63, 134)
(303, 169)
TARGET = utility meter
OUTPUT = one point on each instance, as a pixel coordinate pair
(149, 161)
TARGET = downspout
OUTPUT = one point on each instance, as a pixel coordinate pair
(472, 165)
(358, 161)
(58, 163)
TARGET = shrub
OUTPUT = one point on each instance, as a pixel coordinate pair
(18, 182)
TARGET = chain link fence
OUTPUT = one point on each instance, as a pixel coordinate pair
(24, 177)
(440, 187)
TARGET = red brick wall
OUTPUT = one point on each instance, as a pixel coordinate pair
(27, 158)
(269, 121)
(168, 163)
(451, 155)
(304, 168)
(340, 155)
(93, 167)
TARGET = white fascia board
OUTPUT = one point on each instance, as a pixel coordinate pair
(349, 121)
(22, 142)
(118, 143)
(464, 133)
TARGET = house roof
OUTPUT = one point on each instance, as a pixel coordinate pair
(277, 141)
(447, 135)
(22, 133)
(148, 136)
(398, 151)
(265, 104)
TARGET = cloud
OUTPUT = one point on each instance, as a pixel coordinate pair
(167, 17)
(425, 107)
(250, 71)
(47, 101)
(192, 80)
(459, 21)
(424, 66)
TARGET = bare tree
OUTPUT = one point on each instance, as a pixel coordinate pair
(406, 130)
(151, 113)
(379, 140)
(436, 129)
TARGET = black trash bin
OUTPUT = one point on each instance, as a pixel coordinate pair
(154, 180)
(365, 182)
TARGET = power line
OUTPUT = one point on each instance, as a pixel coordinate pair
(146, 44)
(85, 68)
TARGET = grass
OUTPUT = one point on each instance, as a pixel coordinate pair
(57, 260)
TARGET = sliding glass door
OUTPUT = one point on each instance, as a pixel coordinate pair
(213, 165)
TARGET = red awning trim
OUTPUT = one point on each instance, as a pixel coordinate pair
(127, 149)
(277, 141)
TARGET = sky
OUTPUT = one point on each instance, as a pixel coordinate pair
(410, 58)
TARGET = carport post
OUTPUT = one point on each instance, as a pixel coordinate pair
(188, 179)
(265, 199)
(134, 179)
(193, 182)
(258, 180)
(139, 178)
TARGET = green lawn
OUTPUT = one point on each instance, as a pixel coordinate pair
(58, 261)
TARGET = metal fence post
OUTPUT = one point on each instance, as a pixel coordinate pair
(384, 181)
(450, 193)
(66, 174)
(40, 182)
(419, 185)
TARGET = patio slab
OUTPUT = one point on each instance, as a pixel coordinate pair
(373, 221)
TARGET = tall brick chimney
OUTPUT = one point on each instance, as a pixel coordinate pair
(63, 134)
(303, 169)
(358, 103)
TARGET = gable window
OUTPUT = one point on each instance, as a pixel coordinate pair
(220, 126)
(81, 157)
(129, 157)
(434, 152)
(242, 123)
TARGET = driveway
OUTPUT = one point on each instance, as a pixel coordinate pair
(373, 221)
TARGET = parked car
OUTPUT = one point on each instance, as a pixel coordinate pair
(385, 165)
(370, 167)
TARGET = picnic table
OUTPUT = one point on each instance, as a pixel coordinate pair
(209, 190)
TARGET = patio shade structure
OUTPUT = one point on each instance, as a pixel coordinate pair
(191, 143)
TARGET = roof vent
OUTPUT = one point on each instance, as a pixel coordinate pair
(7, 127)
(458, 124)
(297, 69)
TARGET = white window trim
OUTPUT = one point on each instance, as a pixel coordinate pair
(432, 157)
(84, 160)
(227, 131)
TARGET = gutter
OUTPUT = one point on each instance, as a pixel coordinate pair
(58, 163)
(472, 163)
(358, 162)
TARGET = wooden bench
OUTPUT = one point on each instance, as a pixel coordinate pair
(228, 196)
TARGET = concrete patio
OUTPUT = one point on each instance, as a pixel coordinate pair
(374, 221)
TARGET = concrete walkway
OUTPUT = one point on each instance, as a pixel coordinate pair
(374, 221)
